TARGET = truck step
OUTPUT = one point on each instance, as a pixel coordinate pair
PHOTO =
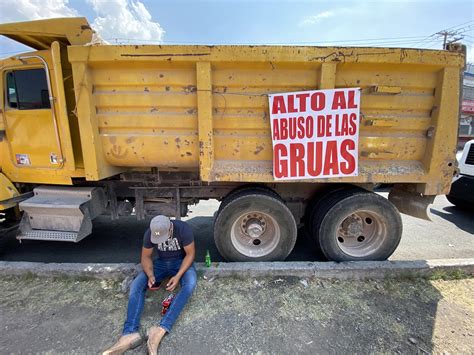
(61, 213)
(37, 234)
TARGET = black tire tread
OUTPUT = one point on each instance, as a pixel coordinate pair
(321, 208)
(250, 193)
(244, 190)
(347, 197)
(8, 229)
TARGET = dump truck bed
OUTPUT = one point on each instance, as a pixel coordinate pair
(206, 107)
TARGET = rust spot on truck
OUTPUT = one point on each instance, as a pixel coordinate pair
(166, 55)
(190, 89)
(258, 149)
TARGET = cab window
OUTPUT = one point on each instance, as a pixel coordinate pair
(27, 89)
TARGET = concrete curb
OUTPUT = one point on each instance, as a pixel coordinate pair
(324, 270)
(106, 271)
(356, 270)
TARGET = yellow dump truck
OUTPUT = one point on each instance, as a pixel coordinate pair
(89, 128)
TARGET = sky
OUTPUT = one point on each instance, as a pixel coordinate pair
(409, 24)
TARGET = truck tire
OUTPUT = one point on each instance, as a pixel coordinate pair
(255, 226)
(4, 241)
(315, 205)
(7, 234)
(245, 190)
(357, 225)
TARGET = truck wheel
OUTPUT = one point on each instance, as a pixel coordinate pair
(255, 227)
(357, 225)
(8, 226)
(315, 205)
(245, 190)
(4, 240)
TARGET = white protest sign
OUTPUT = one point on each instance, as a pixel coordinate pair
(315, 134)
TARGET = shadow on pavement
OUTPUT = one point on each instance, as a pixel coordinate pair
(120, 241)
(461, 218)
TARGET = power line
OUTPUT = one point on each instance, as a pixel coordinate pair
(411, 41)
(367, 40)
(450, 32)
(462, 24)
(457, 29)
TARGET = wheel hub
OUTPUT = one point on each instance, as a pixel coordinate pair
(255, 234)
(352, 226)
(361, 233)
(253, 225)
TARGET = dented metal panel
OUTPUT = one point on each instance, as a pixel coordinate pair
(42, 34)
(205, 108)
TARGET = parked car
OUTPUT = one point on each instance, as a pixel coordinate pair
(462, 188)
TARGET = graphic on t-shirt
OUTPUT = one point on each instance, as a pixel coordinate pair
(171, 244)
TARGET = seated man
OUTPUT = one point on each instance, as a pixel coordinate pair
(174, 243)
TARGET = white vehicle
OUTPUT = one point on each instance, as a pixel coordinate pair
(462, 188)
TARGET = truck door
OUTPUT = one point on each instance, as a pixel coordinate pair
(30, 122)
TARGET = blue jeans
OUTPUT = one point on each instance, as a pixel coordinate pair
(162, 269)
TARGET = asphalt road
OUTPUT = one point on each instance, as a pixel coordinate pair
(449, 235)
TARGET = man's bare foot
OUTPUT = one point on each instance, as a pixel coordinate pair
(155, 334)
(125, 343)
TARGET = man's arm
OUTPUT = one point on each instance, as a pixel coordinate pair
(186, 263)
(147, 265)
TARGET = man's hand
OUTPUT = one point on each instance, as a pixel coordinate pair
(151, 281)
(172, 283)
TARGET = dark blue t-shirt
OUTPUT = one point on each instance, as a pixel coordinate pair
(173, 247)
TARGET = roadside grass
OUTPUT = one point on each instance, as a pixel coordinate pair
(446, 275)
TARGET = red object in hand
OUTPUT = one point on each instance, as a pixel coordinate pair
(166, 304)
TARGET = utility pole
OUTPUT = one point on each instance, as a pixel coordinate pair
(449, 34)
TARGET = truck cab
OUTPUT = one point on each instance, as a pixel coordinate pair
(38, 124)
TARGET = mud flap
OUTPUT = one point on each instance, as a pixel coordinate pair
(411, 203)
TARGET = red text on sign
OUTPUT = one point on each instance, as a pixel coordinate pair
(317, 160)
